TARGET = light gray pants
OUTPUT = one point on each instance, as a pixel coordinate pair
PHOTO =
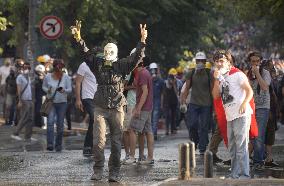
(114, 118)
(26, 119)
(238, 139)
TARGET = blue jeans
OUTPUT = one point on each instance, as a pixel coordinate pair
(262, 115)
(90, 108)
(155, 119)
(198, 125)
(238, 139)
(56, 115)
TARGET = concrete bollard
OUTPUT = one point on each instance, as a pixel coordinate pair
(184, 173)
(192, 161)
(208, 164)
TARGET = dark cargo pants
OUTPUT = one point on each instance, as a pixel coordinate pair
(114, 118)
(215, 141)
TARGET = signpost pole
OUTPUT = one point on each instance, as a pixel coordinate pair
(31, 35)
(32, 44)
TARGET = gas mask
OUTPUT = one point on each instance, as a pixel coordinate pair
(110, 53)
(26, 71)
(200, 66)
(154, 72)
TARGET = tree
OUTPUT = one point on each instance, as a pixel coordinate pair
(3, 23)
(174, 26)
(267, 16)
(16, 11)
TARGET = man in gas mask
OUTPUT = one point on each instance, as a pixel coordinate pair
(25, 104)
(200, 104)
(109, 99)
(158, 84)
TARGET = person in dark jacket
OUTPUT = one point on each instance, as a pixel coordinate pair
(39, 93)
(11, 93)
(109, 100)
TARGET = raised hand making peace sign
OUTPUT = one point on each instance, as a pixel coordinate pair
(144, 33)
(76, 30)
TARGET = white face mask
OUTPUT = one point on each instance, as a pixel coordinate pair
(110, 52)
(223, 70)
(26, 71)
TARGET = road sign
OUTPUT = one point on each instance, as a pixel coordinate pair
(51, 27)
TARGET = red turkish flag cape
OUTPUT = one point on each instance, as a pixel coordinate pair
(221, 117)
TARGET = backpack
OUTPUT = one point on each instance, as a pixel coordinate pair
(208, 72)
(11, 85)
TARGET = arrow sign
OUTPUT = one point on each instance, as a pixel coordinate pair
(51, 27)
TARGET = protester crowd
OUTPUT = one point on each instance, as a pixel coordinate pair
(240, 106)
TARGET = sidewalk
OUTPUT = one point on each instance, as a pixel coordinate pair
(72, 138)
(226, 182)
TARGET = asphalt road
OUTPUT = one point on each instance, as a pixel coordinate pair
(30, 164)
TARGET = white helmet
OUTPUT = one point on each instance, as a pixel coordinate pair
(153, 65)
(65, 70)
(46, 58)
(40, 68)
(200, 55)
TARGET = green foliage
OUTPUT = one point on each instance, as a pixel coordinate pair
(173, 26)
(267, 14)
(16, 11)
(3, 23)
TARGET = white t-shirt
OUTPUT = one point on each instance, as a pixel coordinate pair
(4, 72)
(233, 95)
(89, 83)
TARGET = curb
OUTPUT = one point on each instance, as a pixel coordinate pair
(217, 181)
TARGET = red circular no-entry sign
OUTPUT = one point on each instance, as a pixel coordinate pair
(51, 27)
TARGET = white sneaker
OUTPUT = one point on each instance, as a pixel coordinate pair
(126, 158)
(146, 162)
(16, 137)
(33, 139)
(129, 161)
(30, 140)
